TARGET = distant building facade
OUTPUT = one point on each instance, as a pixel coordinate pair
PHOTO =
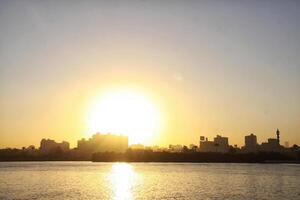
(207, 146)
(250, 143)
(272, 145)
(103, 143)
(220, 144)
(48, 146)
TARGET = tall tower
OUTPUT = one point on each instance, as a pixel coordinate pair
(278, 136)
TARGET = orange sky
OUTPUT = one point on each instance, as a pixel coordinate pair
(210, 68)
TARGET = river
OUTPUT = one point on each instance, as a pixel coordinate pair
(87, 180)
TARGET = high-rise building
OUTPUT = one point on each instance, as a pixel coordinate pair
(220, 144)
(49, 146)
(250, 143)
(103, 143)
(207, 146)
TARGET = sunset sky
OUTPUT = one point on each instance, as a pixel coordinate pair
(205, 67)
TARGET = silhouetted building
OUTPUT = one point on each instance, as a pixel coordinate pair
(207, 146)
(220, 144)
(103, 143)
(48, 146)
(278, 136)
(273, 145)
(250, 143)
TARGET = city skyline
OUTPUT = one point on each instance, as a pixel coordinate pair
(187, 69)
(115, 148)
(202, 138)
(143, 99)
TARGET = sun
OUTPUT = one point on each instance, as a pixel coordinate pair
(127, 112)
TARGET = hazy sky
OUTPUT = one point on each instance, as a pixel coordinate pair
(214, 67)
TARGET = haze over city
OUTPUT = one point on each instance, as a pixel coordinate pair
(159, 72)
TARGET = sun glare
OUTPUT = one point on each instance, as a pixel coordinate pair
(126, 112)
(123, 178)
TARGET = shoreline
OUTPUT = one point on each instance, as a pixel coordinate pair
(187, 162)
(160, 157)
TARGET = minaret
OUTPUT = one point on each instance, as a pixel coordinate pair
(278, 136)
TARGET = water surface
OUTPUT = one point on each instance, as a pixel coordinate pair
(87, 180)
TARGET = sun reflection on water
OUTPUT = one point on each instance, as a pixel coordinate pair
(122, 178)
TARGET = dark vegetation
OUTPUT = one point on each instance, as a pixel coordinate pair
(150, 156)
(196, 157)
(55, 155)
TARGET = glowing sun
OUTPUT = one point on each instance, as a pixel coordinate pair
(126, 112)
